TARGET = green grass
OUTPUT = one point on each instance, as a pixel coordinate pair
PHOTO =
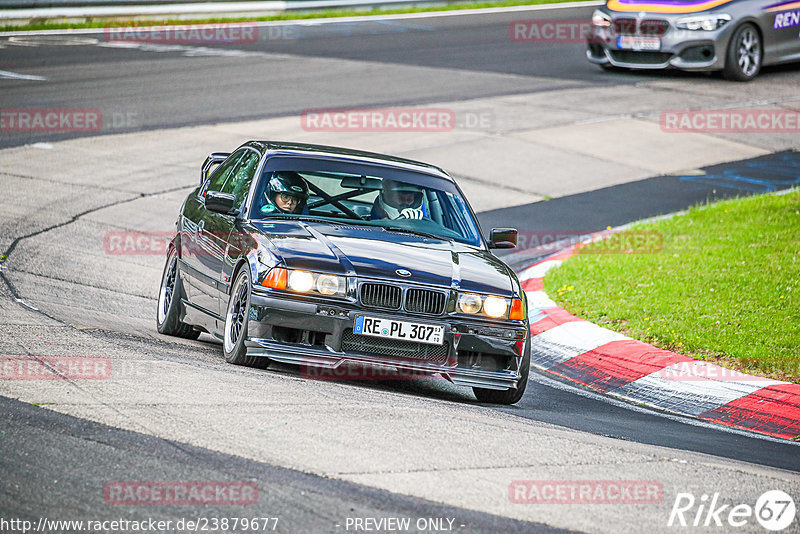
(725, 287)
(117, 23)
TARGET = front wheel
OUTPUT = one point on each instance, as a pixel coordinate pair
(169, 302)
(509, 396)
(743, 57)
(236, 319)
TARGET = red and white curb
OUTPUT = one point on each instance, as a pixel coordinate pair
(583, 352)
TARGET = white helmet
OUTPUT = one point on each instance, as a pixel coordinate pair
(401, 200)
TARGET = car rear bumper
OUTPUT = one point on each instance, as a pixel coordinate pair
(320, 336)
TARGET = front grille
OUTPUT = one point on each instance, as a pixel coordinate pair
(640, 58)
(653, 27)
(392, 347)
(645, 28)
(381, 296)
(625, 26)
(390, 297)
(425, 301)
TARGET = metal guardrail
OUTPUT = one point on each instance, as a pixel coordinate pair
(41, 4)
(38, 4)
(117, 10)
(111, 10)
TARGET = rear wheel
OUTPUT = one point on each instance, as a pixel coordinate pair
(169, 302)
(236, 319)
(743, 57)
(508, 396)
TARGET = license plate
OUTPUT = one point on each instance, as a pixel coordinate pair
(403, 330)
(627, 42)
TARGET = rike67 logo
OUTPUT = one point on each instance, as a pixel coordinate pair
(774, 510)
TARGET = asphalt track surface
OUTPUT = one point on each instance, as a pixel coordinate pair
(401, 63)
(39, 441)
(231, 88)
(220, 88)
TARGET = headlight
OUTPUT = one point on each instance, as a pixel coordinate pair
(495, 307)
(301, 281)
(600, 19)
(703, 22)
(491, 306)
(328, 285)
(469, 303)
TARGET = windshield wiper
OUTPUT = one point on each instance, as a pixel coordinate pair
(415, 232)
(310, 218)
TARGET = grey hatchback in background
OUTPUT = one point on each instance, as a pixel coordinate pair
(737, 37)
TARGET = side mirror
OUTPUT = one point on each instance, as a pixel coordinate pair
(503, 238)
(214, 159)
(220, 202)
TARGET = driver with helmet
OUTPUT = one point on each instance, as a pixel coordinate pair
(287, 192)
(399, 200)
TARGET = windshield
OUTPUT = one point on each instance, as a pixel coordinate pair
(405, 202)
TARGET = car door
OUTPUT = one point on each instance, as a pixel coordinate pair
(199, 244)
(784, 27)
(237, 183)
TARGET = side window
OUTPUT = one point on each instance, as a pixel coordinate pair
(238, 181)
(221, 173)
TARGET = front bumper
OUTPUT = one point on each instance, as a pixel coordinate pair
(679, 49)
(319, 336)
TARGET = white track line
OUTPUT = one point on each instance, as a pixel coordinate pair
(8, 75)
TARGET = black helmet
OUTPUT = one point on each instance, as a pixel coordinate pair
(287, 183)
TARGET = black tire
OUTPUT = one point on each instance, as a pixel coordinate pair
(744, 54)
(170, 294)
(236, 318)
(508, 396)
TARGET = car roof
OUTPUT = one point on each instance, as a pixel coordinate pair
(348, 154)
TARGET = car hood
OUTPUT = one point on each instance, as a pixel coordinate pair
(664, 6)
(372, 252)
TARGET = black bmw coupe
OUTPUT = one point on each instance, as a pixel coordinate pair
(323, 257)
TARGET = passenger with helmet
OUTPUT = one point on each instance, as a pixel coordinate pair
(399, 200)
(286, 192)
